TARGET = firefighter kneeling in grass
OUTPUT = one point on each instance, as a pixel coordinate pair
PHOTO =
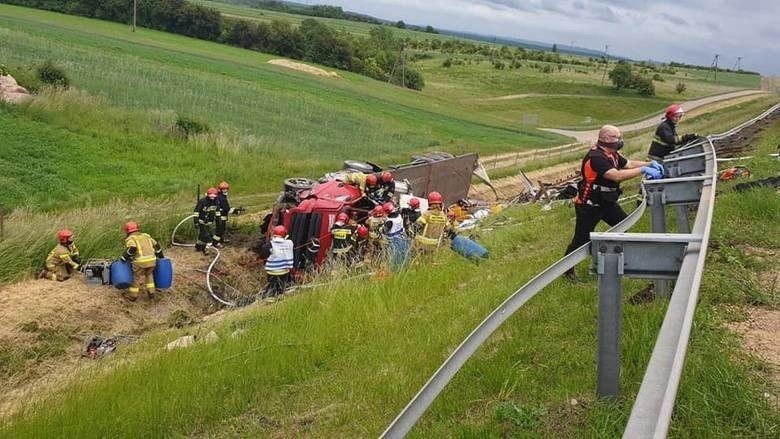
(279, 261)
(63, 260)
(142, 251)
(432, 225)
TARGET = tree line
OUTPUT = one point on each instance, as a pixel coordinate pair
(377, 56)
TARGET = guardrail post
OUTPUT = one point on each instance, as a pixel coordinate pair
(610, 271)
(661, 288)
(683, 223)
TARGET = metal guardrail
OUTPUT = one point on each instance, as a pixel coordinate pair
(652, 410)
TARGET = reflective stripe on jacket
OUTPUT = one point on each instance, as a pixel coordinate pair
(434, 225)
(62, 255)
(144, 244)
(281, 259)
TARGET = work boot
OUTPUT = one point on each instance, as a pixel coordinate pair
(217, 245)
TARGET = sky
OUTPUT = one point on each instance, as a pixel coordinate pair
(690, 31)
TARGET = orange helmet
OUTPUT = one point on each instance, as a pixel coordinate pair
(362, 231)
(414, 203)
(131, 226)
(280, 231)
(212, 191)
(378, 211)
(223, 186)
(388, 207)
(342, 218)
(64, 236)
(371, 180)
(674, 110)
(435, 198)
(387, 177)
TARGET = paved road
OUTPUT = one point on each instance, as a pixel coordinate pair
(590, 135)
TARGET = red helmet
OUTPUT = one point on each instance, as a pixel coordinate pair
(64, 236)
(387, 177)
(414, 203)
(212, 191)
(378, 211)
(280, 231)
(342, 218)
(224, 186)
(435, 198)
(362, 231)
(674, 110)
(131, 226)
(388, 207)
(371, 180)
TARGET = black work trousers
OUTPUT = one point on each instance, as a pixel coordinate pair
(588, 217)
(276, 285)
(204, 237)
(219, 233)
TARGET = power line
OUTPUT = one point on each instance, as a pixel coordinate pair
(606, 64)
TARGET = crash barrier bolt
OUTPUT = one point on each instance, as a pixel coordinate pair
(610, 271)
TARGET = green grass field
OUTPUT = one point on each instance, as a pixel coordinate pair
(341, 360)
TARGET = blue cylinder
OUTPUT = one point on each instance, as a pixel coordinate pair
(163, 273)
(121, 274)
(468, 248)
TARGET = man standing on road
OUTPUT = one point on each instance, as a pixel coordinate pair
(666, 138)
(603, 168)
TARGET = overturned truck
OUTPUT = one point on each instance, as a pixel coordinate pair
(308, 208)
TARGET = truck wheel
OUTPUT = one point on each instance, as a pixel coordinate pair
(298, 184)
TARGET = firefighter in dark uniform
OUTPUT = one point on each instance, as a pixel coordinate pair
(341, 238)
(208, 213)
(603, 168)
(384, 191)
(666, 138)
(225, 211)
(410, 215)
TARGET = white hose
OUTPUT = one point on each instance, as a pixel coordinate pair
(211, 265)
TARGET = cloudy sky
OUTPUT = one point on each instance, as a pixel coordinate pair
(691, 31)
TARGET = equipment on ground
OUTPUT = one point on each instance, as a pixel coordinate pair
(97, 272)
(468, 248)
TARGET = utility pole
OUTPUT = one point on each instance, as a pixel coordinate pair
(606, 64)
(714, 66)
(738, 64)
(135, 9)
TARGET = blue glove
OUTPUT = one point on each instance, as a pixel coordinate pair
(651, 173)
(657, 166)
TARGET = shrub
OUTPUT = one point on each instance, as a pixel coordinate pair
(3, 70)
(447, 63)
(680, 87)
(658, 78)
(190, 127)
(50, 74)
(643, 85)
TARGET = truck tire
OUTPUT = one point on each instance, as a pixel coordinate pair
(298, 184)
(358, 166)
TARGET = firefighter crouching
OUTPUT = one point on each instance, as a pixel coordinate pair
(142, 251)
(432, 225)
(63, 260)
(208, 213)
(603, 168)
(279, 256)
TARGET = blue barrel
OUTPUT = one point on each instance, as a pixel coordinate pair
(163, 273)
(468, 248)
(121, 274)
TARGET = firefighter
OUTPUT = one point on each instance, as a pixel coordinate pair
(63, 260)
(410, 215)
(341, 238)
(666, 138)
(224, 212)
(603, 168)
(279, 256)
(375, 223)
(433, 224)
(360, 180)
(384, 190)
(208, 211)
(142, 251)
(360, 245)
(394, 232)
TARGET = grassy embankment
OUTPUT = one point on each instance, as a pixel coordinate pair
(341, 360)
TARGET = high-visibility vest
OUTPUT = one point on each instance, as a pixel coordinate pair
(396, 227)
(342, 239)
(374, 225)
(144, 254)
(280, 261)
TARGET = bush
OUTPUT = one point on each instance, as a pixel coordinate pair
(643, 85)
(50, 74)
(3, 70)
(680, 87)
(621, 75)
(658, 78)
(190, 127)
(447, 63)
